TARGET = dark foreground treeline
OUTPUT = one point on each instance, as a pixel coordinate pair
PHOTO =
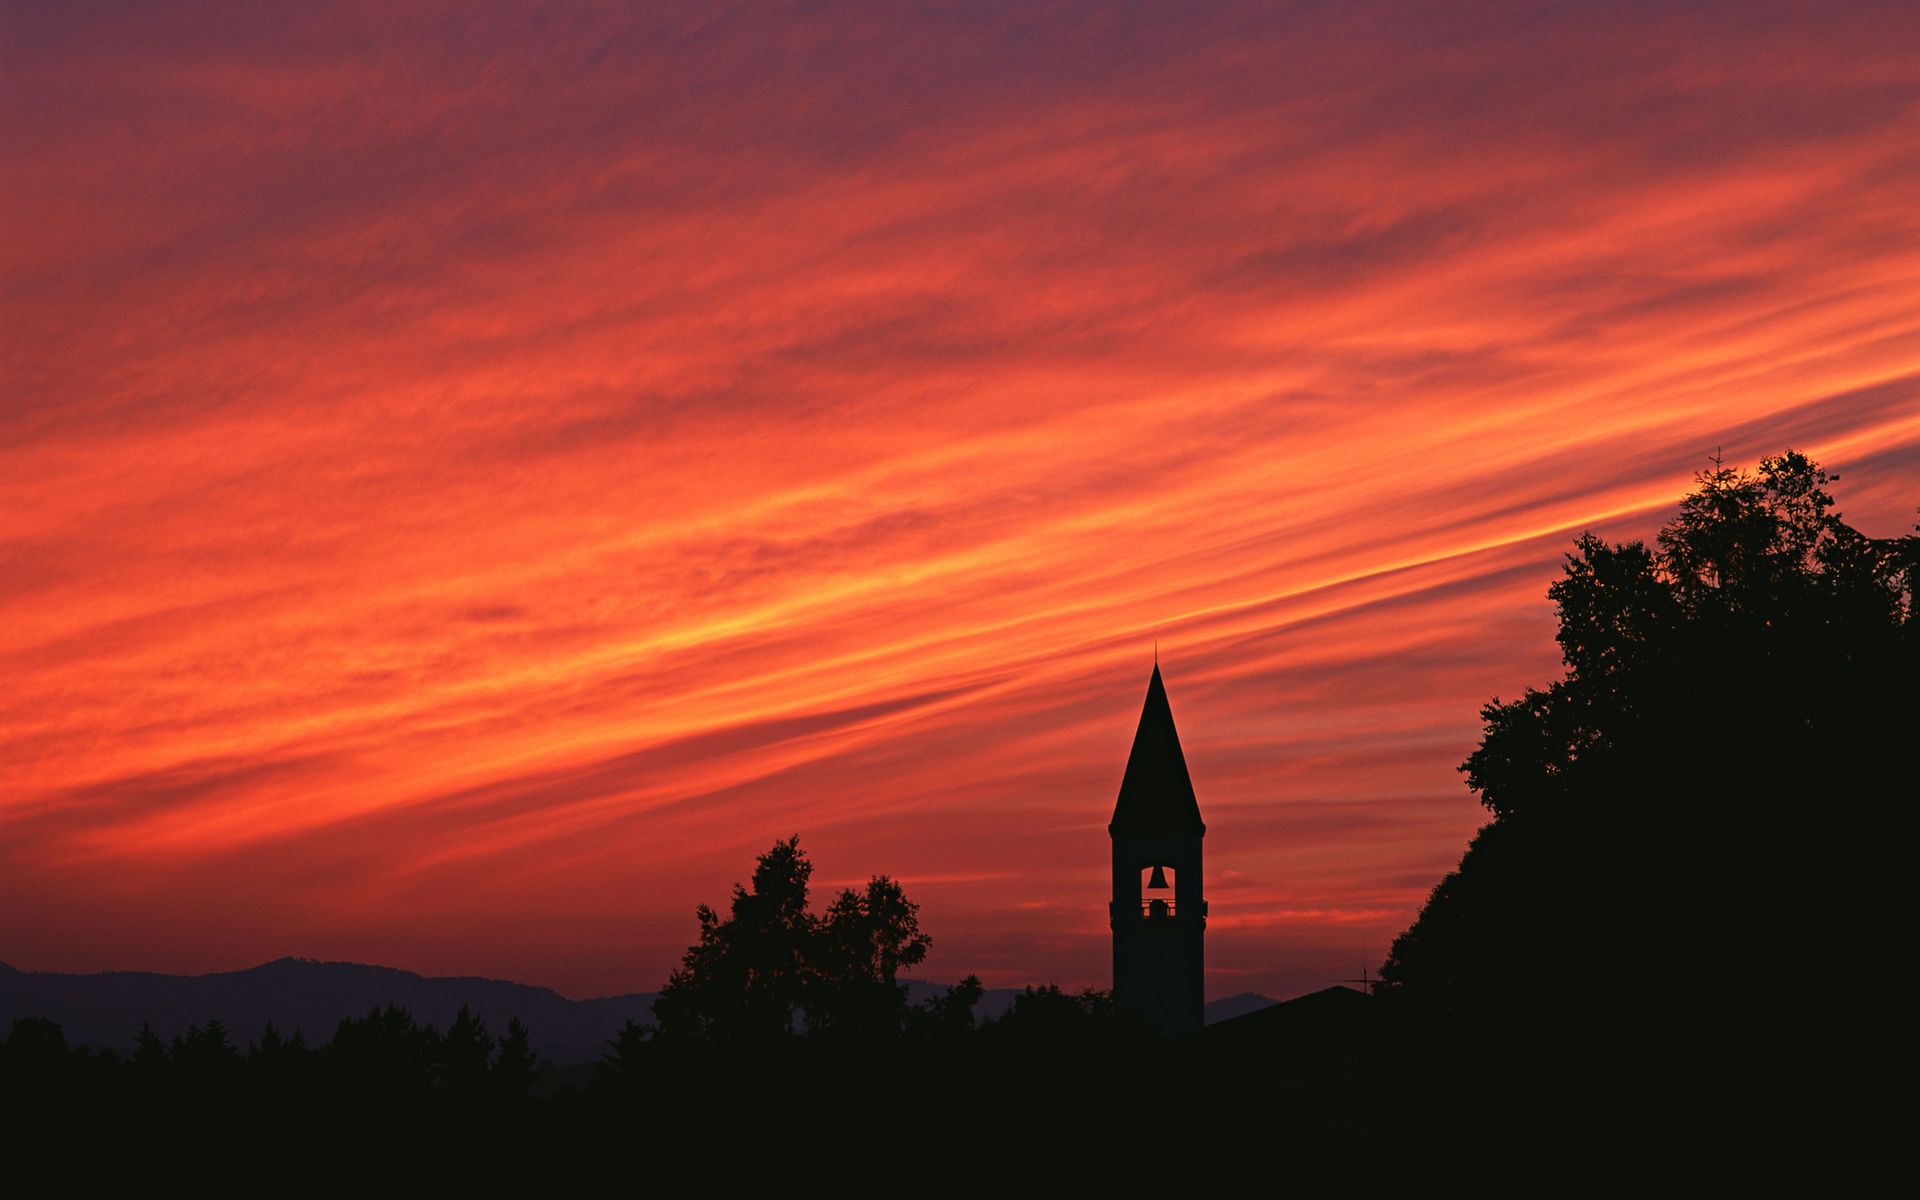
(782, 1028)
(1063, 1087)
(1058, 1070)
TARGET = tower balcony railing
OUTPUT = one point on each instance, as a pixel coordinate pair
(1155, 910)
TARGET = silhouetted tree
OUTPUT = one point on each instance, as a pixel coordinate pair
(465, 1051)
(1700, 793)
(865, 940)
(38, 1067)
(771, 961)
(279, 1067)
(149, 1052)
(623, 1067)
(384, 1054)
(950, 1015)
(204, 1049)
(35, 1044)
(513, 1073)
(745, 979)
(1050, 1015)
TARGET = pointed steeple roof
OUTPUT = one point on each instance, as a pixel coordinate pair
(1156, 796)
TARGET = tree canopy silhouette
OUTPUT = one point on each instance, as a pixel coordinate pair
(1701, 796)
(771, 964)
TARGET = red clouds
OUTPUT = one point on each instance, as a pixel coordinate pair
(474, 478)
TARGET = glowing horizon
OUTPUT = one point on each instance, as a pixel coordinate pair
(475, 479)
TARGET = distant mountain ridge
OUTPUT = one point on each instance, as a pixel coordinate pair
(105, 1010)
(1230, 1007)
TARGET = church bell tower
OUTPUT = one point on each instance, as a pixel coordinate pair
(1159, 909)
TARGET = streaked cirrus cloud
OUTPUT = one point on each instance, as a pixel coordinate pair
(474, 476)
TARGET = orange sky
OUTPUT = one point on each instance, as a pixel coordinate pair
(471, 480)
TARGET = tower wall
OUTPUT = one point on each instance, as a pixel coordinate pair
(1159, 966)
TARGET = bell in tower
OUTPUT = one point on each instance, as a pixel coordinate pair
(1159, 924)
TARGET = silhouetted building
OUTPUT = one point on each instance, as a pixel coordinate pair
(1159, 910)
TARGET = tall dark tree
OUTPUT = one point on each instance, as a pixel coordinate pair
(622, 1069)
(745, 980)
(865, 940)
(1695, 813)
(513, 1073)
(770, 964)
(149, 1051)
(465, 1051)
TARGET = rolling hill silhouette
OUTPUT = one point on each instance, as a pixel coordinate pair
(105, 1010)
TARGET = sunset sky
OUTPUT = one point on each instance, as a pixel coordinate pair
(471, 478)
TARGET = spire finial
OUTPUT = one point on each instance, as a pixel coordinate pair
(1156, 653)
